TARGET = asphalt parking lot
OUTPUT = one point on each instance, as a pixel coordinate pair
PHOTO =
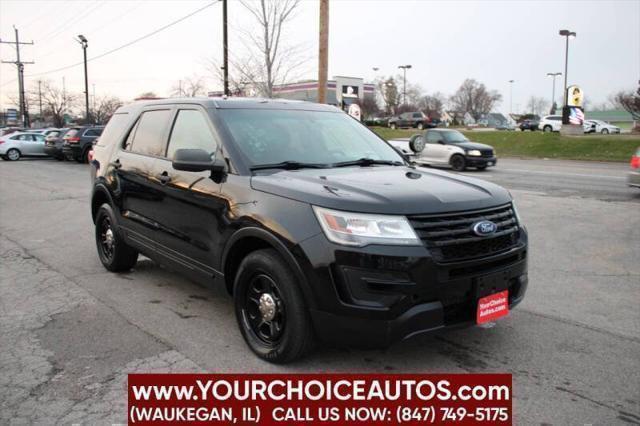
(70, 331)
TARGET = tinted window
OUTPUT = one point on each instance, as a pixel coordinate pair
(71, 133)
(417, 115)
(433, 137)
(115, 129)
(191, 130)
(149, 133)
(93, 132)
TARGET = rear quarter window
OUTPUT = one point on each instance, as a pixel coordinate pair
(116, 127)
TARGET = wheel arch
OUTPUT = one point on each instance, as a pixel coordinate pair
(99, 197)
(250, 239)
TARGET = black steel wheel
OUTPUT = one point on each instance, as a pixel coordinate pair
(270, 308)
(113, 252)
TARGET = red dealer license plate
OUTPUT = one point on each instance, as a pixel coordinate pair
(493, 307)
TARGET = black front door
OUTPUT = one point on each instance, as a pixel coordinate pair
(192, 209)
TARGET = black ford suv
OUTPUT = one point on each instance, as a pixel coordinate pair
(77, 142)
(317, 227)
(415, 119)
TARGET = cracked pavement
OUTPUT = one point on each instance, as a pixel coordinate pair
(70, 332)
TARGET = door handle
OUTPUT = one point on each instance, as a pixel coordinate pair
(116, 164)
(164, 178)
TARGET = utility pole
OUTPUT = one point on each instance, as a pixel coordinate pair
(323, 52)
(404, 82)
(84, 43)
(24, 114)
(40, 97)
(511, 96)
(225, 48)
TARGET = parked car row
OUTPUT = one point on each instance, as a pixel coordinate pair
(73, 143)
(553, 123)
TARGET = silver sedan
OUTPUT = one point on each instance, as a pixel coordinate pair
(21, 144)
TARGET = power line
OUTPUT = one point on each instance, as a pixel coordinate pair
(102, 55)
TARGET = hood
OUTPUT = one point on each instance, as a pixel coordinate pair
(382, 189)
(472, 145)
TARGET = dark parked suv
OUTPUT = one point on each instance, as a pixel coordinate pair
(78, 142)
(317, 227)
(415, 119)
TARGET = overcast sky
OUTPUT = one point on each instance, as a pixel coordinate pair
(445, 42)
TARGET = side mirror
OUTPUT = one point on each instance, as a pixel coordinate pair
(197, 160)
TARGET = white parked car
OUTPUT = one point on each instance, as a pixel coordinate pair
(21, 144)
(446, 147)
(550, 123)
(599, 126)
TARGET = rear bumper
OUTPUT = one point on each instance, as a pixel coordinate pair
(633, 179)
(53, 151)
(481, 161)
(71, 151)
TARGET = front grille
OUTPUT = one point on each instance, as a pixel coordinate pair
(487, 153)
(450, 237)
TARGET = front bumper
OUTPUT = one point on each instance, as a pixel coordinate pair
(378, 295)
(473, 161)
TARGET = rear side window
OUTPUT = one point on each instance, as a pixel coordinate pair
(93, 132)
(192, 131)
(417, 115)
(149, 133)
(115, 129)
(433, 137)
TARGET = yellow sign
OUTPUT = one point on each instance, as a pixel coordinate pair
(574, 96)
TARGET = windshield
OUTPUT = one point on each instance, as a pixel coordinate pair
(454, 136)
(322, 138)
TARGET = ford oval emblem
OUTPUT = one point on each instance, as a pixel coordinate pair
(484, 228)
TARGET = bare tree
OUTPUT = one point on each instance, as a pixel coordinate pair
(369, 107)
(189, 87)
(536, 105)
(104, 108)
(432, 105)
(55, 102)
(269, 62)
(390, 94)
(631, 103)
(474, 98)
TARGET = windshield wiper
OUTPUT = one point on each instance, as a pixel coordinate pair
(289, 165)
(365, 162)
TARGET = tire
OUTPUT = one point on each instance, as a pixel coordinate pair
(547, 129)
(458, 163)
(420, 126)
(84, 158)
(284, 333)
(605, 131)
(114, 253)
(392, 126)
(13, 154)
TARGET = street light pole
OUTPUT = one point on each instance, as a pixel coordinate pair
(83, 41)
(566, 34)
(511, 96)
(553, 90)
(404, 84)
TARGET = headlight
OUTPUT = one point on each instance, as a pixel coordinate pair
(360, 229)
(474, 153)
(515, 212)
